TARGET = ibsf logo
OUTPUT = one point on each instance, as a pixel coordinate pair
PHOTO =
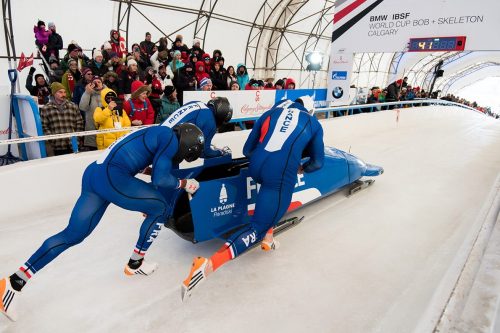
(339, 75)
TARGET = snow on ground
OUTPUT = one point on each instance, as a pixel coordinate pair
(383, 260)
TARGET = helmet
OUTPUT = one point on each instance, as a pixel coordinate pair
(191, 142)
(307, 102)
(223, 111)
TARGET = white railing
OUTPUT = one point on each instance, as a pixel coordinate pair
(343, 110)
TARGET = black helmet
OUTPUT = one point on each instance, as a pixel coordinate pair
(223, 111)
(191, 142)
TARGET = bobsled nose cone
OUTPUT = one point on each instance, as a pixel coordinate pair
(373, 170)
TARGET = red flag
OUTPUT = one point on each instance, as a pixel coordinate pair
(22, 60)
(29, 61)
(25, 62)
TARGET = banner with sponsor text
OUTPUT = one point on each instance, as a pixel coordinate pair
(339, 76)
(392, 25)
(251, 104)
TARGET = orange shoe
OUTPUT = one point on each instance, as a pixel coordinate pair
(268, 246)
(146, 268)
(196, 276)
(8, 299)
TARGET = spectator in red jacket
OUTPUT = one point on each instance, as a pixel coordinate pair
(138, 107)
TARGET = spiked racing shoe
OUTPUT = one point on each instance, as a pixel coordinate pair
(268, 246)
(196, 276)
(9, 298)
(146, 268)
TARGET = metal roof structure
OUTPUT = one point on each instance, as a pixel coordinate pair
(271, 37)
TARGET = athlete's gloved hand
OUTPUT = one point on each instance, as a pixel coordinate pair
(225, 150)
(190, 185)
(32, 70)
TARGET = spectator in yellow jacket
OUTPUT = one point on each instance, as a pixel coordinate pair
(110, 116)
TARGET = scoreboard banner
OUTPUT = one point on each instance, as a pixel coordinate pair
(419, 26)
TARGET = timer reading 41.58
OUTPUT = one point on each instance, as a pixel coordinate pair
(437, 44)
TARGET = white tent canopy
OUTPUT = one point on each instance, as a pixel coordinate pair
(271, 37)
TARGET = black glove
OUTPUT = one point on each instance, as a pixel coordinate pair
(32, 70)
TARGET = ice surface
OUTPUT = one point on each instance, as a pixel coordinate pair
(368, 263)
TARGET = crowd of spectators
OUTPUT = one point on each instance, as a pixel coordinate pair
(400, 90)
(148, 80)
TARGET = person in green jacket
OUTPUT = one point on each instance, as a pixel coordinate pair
(169, 104)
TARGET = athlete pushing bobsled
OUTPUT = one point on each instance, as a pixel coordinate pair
(274, 147)
(207, 116)
(111, 179)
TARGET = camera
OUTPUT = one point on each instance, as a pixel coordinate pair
(119, 105)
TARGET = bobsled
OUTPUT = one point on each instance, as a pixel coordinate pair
(226, 198)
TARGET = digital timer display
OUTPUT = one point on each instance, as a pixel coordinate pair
(434, 44)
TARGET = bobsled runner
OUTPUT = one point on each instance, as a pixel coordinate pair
(226, 198)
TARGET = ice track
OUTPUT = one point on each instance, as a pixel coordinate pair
(383, 260)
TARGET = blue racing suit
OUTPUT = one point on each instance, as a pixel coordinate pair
(275, 147)
(199, 114)
(111, 179)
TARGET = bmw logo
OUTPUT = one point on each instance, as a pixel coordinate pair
(337, 92)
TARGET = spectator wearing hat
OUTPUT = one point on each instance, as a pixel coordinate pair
(106, 49)
(71, 77)
(230, 76)
(289, 83)
(206, 84)
(176, 62)
(109, 115)
(55, 42)
(217, 77)
(147, 46)
(72, 53)
(373, 97)
(41, 89)
(97, 64)
(169, 104)
(115, 64)
(207, 61)
(221, 60)
(114, 41)
(196, 49)
(60, 116)
(110, 80)
(179, 45)
(42, 38)
(200, 72)
(193, 59)
(242, 76)
(55, 71)
(279, 84)
(86, 78)
(393, 92)
(89, 102)
(138, 107)
(127, 77)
